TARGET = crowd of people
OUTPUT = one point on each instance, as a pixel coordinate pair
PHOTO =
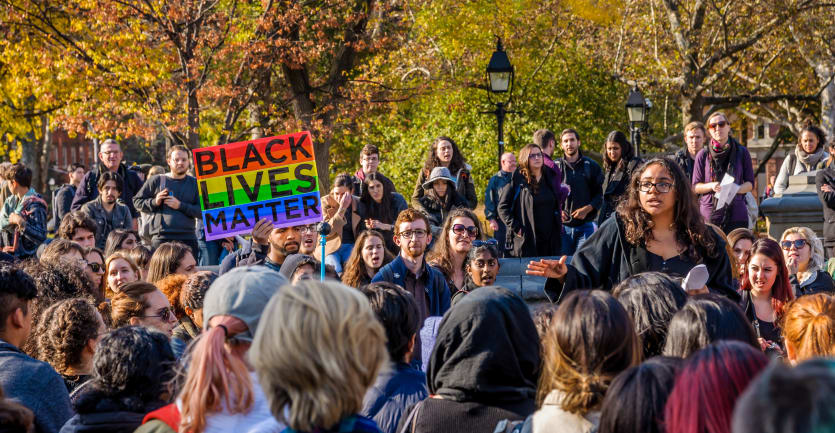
(671, 314)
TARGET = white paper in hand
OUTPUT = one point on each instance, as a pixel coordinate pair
(727, 193)
(696, 278)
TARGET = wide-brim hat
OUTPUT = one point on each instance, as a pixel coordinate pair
(441, 173)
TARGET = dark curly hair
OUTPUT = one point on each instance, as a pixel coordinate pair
(133, 365)
(73, 221)
(56, 282)
(195, 288)
(457, 163)
(64, 330)
(690, 227)
(58, 248)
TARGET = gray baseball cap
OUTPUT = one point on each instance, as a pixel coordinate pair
(243, 293)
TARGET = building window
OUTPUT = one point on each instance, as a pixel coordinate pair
(761, 131)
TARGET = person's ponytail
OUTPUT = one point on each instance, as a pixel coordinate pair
(217, 377)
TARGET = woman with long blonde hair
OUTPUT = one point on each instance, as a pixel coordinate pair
(334, 325)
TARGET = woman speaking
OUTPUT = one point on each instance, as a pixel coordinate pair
(656, 228)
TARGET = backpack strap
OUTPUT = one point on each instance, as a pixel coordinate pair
(410, 423)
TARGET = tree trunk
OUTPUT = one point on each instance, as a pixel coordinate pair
(692, 108)
(193, 134)
(43, 159)
(828, 105)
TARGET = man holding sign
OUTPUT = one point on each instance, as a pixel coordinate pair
(173, 201)
(273, 179)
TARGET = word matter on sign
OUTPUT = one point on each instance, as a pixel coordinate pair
(273, 178)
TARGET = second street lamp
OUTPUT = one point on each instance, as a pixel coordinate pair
(499, 80)
(637, 110)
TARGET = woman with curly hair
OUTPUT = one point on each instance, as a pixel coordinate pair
(368, 256)
(55, 282)
(66, 338)
(445, 153)
(657, 227)
(379, 206)
(528, 206)
(131, 370)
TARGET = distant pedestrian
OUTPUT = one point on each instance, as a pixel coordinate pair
(491, 198)
(444, 153)
(173, 200)
(584, 179)
(722, 157)
(694, 141)
(619, 162)
(107, 210)
(23, 217)
(110, 159)
(63, 196)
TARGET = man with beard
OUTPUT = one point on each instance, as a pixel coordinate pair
(269, 246)
(410, 270)
(106, 210)
(110, 157)
(174, 197)
(585, 179)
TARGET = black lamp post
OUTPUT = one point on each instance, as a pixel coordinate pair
(499, 80)
(637, 110)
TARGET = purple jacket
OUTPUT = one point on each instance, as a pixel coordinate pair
(702, 173)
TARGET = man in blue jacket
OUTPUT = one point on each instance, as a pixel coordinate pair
(491, 198)
(25, 380)
(401, 386)
(410, 270)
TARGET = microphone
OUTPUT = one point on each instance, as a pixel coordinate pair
(323, 228)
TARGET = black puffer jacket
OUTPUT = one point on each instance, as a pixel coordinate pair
(97, 412)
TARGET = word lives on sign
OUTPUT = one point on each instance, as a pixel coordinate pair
(273, 178)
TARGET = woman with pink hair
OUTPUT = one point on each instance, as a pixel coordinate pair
(221, 392)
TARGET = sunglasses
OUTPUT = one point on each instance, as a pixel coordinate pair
(96, 267)
(460, 229)
(798, 244)
(164, 314)
(719, 124)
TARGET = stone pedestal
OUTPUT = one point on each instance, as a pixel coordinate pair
(799, 206)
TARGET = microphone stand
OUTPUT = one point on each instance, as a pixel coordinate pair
(323, 229)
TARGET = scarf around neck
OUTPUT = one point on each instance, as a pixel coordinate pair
(809, 160)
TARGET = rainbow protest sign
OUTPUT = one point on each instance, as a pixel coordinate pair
(273, 178)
